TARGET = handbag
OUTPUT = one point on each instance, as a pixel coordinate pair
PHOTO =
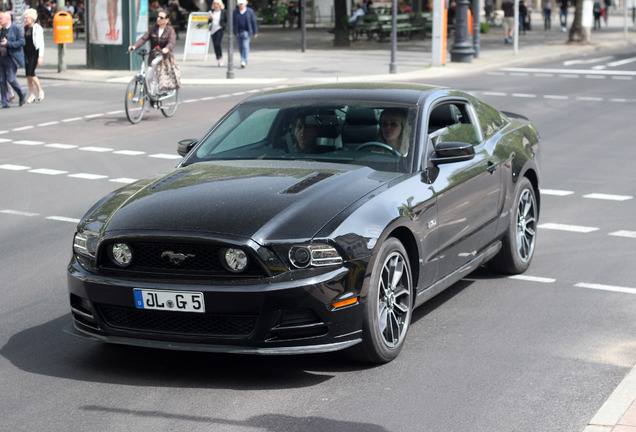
(169, 75)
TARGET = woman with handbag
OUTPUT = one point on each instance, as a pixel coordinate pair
(162, 36)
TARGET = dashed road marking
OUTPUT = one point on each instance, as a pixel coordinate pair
(623, 233)
(533, 278)
(608, 197)
(556, 192)
(570, 228)
(602, 287)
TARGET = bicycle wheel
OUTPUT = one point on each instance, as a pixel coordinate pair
(136, 100)
(169, 103)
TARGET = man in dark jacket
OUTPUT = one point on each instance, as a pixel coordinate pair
(11, 57)
(244, 28)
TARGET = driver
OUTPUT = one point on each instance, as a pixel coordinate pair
(392, 128)
(305, 135)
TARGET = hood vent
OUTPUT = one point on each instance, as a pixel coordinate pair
(306, 182)
(165, 182)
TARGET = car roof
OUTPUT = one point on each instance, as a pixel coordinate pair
(398, 93)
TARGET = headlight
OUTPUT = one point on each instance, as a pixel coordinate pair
(234, 259)
(122, 254)
(317, 255)
(85, 244)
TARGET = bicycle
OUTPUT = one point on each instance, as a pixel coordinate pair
(139, 97)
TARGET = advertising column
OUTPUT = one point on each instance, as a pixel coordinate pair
(111, 26)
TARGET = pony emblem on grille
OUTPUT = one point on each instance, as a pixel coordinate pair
(176, 258)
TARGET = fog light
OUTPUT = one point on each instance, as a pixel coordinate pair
(122, 255)
(235, 260)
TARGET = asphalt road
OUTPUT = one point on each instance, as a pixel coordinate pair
(540, 352)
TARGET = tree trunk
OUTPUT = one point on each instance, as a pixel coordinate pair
(577, 32)
(341, 37)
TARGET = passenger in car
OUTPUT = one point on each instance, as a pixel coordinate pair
(393, 128)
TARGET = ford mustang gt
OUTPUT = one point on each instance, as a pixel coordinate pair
(310, 219)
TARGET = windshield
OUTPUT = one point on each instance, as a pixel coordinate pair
(380, 137)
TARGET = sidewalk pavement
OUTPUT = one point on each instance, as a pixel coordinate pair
(276, 57)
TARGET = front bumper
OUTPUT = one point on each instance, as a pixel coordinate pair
(290, 314)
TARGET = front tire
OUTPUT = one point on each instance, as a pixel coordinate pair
(169, 103)
(519, 242)
(388, 306)
(136, 100)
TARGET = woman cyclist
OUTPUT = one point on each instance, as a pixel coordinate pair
(163, 36)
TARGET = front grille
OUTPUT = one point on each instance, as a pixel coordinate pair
(181, 323)
(197, 260)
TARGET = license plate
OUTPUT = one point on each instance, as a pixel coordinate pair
(172, 301)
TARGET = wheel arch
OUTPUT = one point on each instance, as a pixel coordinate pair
(406, 237)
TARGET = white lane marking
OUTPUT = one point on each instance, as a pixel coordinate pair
(72, 119)
(556, 192)
(621, 100)
(5, 140)
(587, 61)
(489, 93)
(51, 123)
(96, 149)
(557, 97)
(533, 278)
(623, 233)
(597, 77)
(63, 219)
(602, 287)
(589, 99)
(87, 176)
(47, 171)
(164, 156)
(61, 146)
(11, 167)
(524, 95)
(123, 180)
(129, 152)
(624, 78)
(90, 116)
(572, 71)
(28, 143)
(622, 62)
(23, 128)
(18, 213)
(570, 228)
(608, 197)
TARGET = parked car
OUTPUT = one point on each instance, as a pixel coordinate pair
(300, 224)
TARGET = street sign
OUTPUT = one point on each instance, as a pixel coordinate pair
(198, 35)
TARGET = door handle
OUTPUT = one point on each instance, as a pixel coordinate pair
(492, 167)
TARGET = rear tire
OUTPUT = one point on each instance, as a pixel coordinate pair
(169, 103)
(519, 242)
(388, 306)
(136, 100)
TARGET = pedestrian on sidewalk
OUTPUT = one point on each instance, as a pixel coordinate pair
(245, 27)
(33, 53)
(563, 14)
(597, 10)
(11, 57)
(218, 20)
(608, 3)
(523, 16)
(509, 20)
(547, 14)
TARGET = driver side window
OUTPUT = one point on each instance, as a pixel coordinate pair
(451, 122)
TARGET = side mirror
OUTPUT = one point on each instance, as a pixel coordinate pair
(184, 146)
(449, 152)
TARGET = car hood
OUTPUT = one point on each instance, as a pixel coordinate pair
(261, 200)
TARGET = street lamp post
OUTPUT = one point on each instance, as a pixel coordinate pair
(230, 48)
(462, 50)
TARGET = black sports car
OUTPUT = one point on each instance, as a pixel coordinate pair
(310, 219)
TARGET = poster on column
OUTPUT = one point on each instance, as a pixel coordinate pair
(105, 22)
(198, 35)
